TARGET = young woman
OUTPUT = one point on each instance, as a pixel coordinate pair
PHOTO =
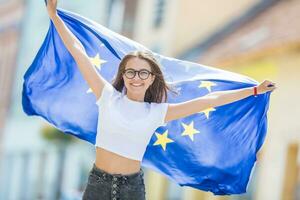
(137, 97)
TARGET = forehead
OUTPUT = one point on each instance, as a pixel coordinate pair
(137, 64)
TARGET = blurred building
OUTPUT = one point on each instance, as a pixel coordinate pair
(172, 27)
(11, 15)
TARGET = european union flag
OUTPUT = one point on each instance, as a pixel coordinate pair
(213, 150)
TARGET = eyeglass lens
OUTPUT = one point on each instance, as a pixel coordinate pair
(143, 74)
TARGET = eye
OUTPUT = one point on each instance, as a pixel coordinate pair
(144, 72)
(129, 72)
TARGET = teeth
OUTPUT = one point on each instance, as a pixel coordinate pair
(136, 84)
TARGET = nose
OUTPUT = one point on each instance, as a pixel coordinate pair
(136, 77)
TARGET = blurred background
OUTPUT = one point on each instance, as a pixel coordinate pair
(257, 38)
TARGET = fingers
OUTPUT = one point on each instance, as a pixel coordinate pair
(268, 85)
(52, 2)
(271, 85)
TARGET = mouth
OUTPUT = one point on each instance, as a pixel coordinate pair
(136, 85)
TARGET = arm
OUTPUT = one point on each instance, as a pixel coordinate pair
(213, 99)
(76, 49)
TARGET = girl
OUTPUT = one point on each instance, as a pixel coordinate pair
(131, 110)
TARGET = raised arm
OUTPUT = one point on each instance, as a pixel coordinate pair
(214, 99)
(76, 49)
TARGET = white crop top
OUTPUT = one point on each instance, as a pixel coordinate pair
(125, 127)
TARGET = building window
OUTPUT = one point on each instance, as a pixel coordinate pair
(159, 9)
(115, 15)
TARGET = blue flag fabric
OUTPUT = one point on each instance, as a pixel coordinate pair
(213, 150)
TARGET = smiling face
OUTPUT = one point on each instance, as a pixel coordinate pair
(152, 88)
(136, 87)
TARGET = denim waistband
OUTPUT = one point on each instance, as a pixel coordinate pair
(108, 175)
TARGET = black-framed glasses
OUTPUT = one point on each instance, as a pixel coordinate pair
(143, 73)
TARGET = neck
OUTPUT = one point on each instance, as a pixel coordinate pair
(135, 97)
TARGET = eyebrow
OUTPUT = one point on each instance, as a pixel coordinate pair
(138, 70)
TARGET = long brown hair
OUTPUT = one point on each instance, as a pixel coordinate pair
(157, 91)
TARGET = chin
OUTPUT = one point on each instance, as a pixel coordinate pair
(136, 90)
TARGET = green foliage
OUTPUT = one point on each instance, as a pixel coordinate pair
(54, 135)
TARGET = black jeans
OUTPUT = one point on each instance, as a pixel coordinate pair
(105, 186)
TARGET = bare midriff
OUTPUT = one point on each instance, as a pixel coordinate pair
(114, 163)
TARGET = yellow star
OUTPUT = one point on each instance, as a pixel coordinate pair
(207, 85)
(97, 61)
(206, 111)
(162, 139)
(89, 90)
(189, 130)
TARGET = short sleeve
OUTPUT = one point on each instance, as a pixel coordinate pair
(161, 112)
(106, 94)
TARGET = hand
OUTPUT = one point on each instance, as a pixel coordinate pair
(51, 7)
(266, 86)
